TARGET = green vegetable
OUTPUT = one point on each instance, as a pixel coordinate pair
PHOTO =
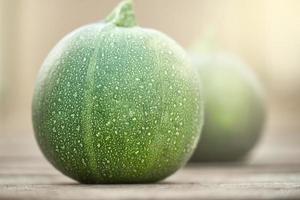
(234, 107)
(116, 103)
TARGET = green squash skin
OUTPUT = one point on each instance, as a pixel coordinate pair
(117, 105)
(234, 108)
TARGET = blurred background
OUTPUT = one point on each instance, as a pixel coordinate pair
(265, 33)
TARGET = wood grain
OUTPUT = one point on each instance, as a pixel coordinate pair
(273, 172)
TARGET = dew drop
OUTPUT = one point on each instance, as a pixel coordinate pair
(83, 161)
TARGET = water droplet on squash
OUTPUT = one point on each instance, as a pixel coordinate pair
(83, 161)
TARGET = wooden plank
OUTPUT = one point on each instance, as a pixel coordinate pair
(273, 172)
(210, 182)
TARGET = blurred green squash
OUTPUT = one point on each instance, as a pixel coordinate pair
(234, 107)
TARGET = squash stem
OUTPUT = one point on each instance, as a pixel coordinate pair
(123, 15)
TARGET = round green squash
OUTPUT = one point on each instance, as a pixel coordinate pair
(116, 103)
(234, 108)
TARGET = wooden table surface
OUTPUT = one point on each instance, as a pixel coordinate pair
(272, 172)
